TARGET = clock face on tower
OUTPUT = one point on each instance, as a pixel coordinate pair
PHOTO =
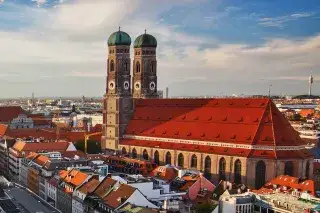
(152, 86)
(111, 85)
(137, 86)
(126, 85)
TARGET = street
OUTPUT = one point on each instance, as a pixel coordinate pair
(28, 201)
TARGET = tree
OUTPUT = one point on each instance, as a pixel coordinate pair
(94, 147)
(205, 208)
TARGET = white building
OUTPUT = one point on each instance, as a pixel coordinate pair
(153, 190)
(239, 203)
(21, 122)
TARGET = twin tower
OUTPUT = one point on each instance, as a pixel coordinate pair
(121, 88)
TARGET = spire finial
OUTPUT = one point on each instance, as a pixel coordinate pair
(145, 31)
(119, 28)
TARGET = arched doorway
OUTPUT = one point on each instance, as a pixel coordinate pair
(307, 170)
(124, 151)
(222, 169)
(288, 168)
(168, 158)
(207, 167)
(260, 174)
(156, 157)
(145, 155)
(194, 161)
(237, 171)
(134, 153)
(180, 160)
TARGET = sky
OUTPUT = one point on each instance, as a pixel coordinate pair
(205, 47)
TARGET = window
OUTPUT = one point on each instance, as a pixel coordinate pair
(156, 157)
(134, 153)
(288, 168)
(194, 161)
(111, 66)
(145, 155)
(237, 172)
(207, 167)
(260, 174)
(152, 67)
(180, 160)
(168, 158)
(138, 67)
(222, 169)
(126, 67)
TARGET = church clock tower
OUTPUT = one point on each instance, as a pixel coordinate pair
(145, 67)
(118, 98)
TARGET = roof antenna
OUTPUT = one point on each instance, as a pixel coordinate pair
(145, 31)
(119, 28)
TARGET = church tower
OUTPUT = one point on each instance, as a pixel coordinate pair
(118, 98)
(145, 67)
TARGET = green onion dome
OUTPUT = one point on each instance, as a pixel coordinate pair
(119, 38)
(145, 40)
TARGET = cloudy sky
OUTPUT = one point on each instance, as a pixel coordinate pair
(205, 47)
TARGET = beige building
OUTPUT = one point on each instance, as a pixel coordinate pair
(245, 140)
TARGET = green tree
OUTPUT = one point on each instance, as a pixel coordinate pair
(205, 208)
(94, 147)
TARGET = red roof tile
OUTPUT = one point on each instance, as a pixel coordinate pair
(166, 173)
(35, 147)
(89, 186)
(117, 197)
(3, 129)
(104, 187)
(245, 121)
(7, 113)
(73, 177)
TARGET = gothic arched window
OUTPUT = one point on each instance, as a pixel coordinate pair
(237, 172)
(194, 161)
(156, 157)
(152, 67)
(124, 151)
(111, 66)
(134, 153)
(207, 167)
(126, 66)
(222, 169)
(180, 160)
(307, 170)
(288, 168)
(138, 67)
(145, 155)
(168, 158)
(260, 174)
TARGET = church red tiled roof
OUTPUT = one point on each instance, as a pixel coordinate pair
(237, 121)
(7, 113)
(3, 129)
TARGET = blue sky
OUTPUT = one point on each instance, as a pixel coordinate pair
(217, 47)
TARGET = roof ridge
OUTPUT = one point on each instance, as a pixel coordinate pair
(259, 125)
(272, 127)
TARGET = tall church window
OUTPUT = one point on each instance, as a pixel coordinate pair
(138, 67)
(124, 151)
(134, 153)
(145, 155)
(288, 168)
(180, 160)
(126, 66)
(194, 161)
(307, 170)
(156, 157)
(237, 171)
(260, 174)
(207, 167)
(111, 66)
(152, 67)
(168, 158)
(222, 169)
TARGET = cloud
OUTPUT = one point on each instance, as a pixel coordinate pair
(64, 52)
(281, 20)
(39, 2)
(1, 1)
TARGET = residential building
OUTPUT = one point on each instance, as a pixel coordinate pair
(81, 193)
(160, 194)
(7, 113)
(22, 149)
(69, 181)
(240, 203)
